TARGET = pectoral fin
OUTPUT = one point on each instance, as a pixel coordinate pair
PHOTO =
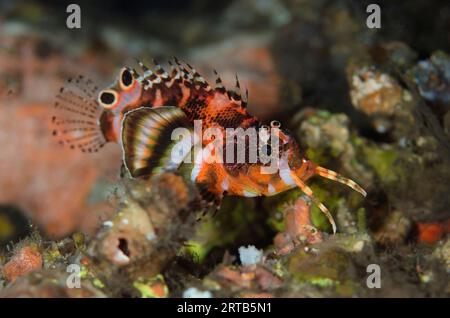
(147, 139)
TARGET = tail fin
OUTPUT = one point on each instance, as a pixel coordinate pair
(330, 174)
(75, 122)
(147, 139)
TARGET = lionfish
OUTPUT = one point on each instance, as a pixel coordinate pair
(140, 111)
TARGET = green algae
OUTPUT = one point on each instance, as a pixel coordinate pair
(385, 164)
(234, 219)
(154, 287)
(323, 269)
(318, 156)
(330, 198)
(330, 266)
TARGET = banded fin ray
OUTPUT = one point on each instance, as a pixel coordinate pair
(209, 201)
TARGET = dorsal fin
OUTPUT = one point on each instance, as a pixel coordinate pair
(245, 100)
(175, 75)
(134, 73)
(235, 94)
(185, 73)
(160, 71)
(146, 139)
(238, 85)
(143, 66)
(219, 85)
(183, 84)
(176, 72)
(149, 78)
(199, 80)
(147, 73)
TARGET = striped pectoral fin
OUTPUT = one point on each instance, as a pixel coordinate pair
(330, 174)
(147, 139)
(308, 191)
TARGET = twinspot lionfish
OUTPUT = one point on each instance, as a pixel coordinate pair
(140, 111)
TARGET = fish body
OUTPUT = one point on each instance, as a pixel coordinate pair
(141, 111)
(183, 88)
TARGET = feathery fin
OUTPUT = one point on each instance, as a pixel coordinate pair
(219, 85)
(245, 100)
(209, 201)
(76, 113)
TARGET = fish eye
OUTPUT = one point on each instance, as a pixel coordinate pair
(275, 124)
(108, 98)
(126, 78)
